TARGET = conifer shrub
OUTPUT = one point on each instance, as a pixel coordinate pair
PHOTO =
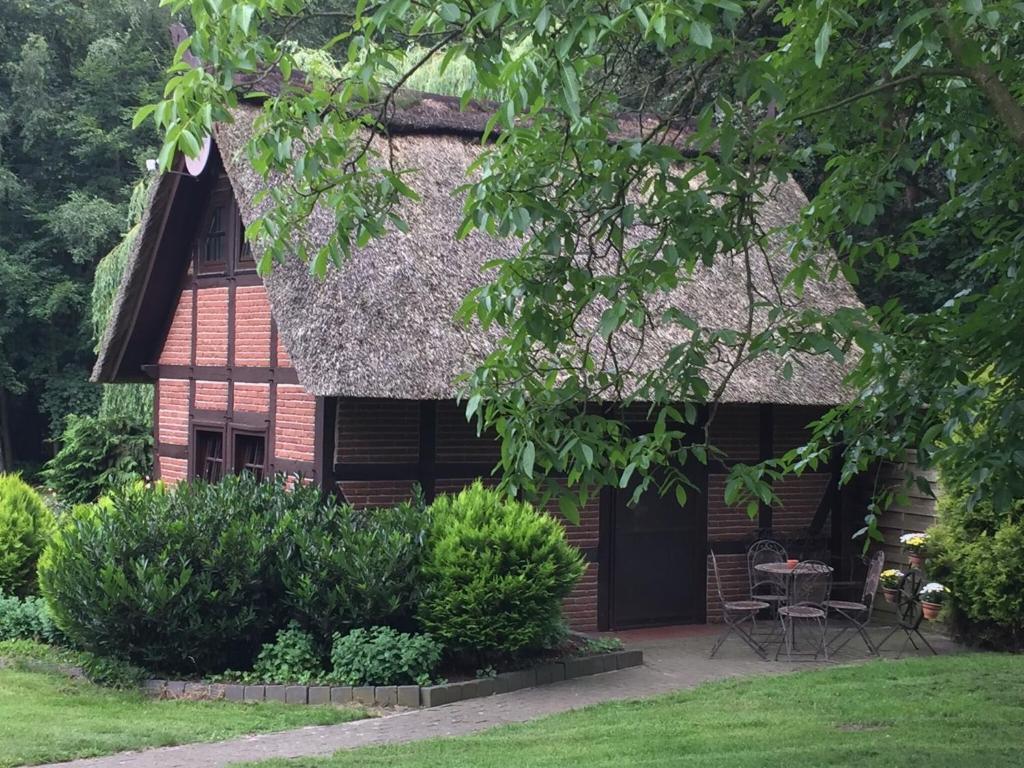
(25, 525)
(494, 574)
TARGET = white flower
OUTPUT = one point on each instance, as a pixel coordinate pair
(932, 588)
(908, 536)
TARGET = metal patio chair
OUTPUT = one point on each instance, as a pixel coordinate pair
(858, 614)
(764, 586)
(736, 614)
(810, 587)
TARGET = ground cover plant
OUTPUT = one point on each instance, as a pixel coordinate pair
(943, 713)
(49, 717)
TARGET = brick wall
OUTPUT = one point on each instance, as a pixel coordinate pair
(211, 395)
(252, 326)
(457, 440)
(295, 421)
(172, 419)
(177, 349)
(726, 523)
(377, 431)
(252, 398)
(212, 328)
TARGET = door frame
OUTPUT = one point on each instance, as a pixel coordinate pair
(698, 474)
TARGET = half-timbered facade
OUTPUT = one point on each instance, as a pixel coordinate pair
(347, 381)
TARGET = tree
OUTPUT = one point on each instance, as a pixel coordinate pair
(908, 117)
(71, 77)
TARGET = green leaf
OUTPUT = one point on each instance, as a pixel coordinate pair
(973, 7)
(700, 33)
(527, 458)
(681, 495)
(450, 12)
(908, 56)
(821, 43)
(141, 114)
(571, 89)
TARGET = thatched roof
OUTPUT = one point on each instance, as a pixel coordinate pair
(381, 325)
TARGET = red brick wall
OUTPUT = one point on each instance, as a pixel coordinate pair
(252, 326)
(248, 338)
(212, 328)
(252, 398)
(726, 523)
(295, 421)
(457, 440)
(211, 395)
(177, 349)
(172, 418)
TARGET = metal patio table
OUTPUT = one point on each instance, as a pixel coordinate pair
(788, 574)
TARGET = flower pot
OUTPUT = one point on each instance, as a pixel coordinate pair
(889, 593)
(916, 560)
(931, 610)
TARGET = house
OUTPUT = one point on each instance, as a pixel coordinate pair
(348, 380)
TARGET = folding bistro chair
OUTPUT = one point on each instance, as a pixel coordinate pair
(859, 614)
(736, 614)
(764, 586)
(809, 590)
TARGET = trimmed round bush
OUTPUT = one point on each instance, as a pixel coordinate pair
(343, 568)
(25, 525)
(495, 574)
(181, 580)
(383, 656)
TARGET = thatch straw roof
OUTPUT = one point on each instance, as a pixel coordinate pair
(381, 325)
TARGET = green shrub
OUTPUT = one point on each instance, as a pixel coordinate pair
(343, 568)
(27, 619)
(291, 658)
(99, 454)
(977, 553)
(495, 574)
(383, 656)
(181, 580)
(25, 525)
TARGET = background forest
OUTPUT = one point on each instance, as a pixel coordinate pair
(72, 75)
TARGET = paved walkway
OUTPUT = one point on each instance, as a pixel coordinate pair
(675, 658)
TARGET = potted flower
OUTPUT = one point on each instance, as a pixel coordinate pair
(932, 597)
(890, 581)
(914, 545)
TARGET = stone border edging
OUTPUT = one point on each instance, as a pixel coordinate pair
(400, 695)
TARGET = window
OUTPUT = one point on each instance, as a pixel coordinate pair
(245, 258)
(250, 453)
(212, 250)
(209, 455)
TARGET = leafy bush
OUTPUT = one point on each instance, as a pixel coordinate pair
(383, 656)
(977, 552)
(25, 525)
(172, 580)
(291, 658)
(343, 568)
(111, 672)
(28, 619)
(99, 454)
(495, 573)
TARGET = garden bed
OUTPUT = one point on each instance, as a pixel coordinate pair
(400, 695)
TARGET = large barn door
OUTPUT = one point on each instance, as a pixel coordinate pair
(658, 573)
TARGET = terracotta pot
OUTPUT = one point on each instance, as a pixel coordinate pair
(931, 610)
(890, 594)
(916, 560)
(791, 564)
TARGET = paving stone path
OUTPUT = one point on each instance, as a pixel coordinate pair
(673, 661)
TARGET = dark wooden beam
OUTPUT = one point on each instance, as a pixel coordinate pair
(410, 471)
(426, 470)
(326, 434)
(765, 451)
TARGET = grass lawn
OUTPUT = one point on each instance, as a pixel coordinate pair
(48, 717)
(955, 712)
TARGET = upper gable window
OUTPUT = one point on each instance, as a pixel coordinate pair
(213, 247)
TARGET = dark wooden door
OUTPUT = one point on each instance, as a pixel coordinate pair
(658, 573)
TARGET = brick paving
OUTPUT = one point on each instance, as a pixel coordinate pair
(674, 659)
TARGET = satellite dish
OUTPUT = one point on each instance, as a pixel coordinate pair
(195, 165)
